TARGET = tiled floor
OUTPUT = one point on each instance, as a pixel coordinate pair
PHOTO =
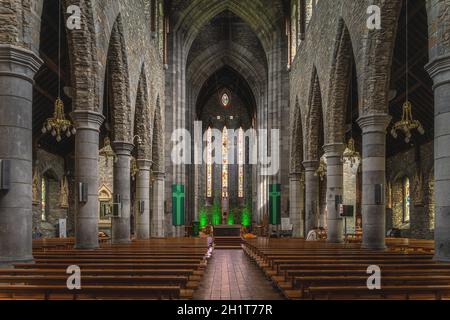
(231, 275)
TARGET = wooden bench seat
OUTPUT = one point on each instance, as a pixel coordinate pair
(60, 292)
(304, 283)
(319, 270)
(421, 292)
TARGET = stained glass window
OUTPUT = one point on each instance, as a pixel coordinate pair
(406, 199)
(43, 199)
(225, 163)
(225, 99)
(241, 161)
(209, 184)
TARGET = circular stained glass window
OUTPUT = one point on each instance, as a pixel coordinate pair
(225, 100)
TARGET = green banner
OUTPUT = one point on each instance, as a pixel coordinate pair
(275, 204)
(178, 204)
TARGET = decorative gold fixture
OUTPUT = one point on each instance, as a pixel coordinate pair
(58, 125)
(407, 124)
(134, 168)
(107, 151)
(35, 188)
(64, 193)
(321, 171)
(350, 153)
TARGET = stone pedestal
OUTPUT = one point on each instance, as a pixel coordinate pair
(143, 195)
(373, 173)
(296, 204)
(311, 195)
(335, 188)
(439, 70)
(17, 69)
(157, 219)
(86, 171)
(121, 228)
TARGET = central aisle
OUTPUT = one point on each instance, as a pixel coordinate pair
(231, 275)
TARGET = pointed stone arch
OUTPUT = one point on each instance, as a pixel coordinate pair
(158, 139)
(117, 71)
(142, 119)
(297, 141)
(377, 59)
(315, 120)
(265, 23)
(84, 61)
(340, 82)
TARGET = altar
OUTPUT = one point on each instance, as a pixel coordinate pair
(227, 230)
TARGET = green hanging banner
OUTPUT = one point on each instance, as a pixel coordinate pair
(275, 204)
(178, 204)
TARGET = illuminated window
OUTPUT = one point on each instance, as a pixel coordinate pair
(406, 200)
(225, 99)
(209, 184)
(241, 161)
(44, 202)
(225, 163)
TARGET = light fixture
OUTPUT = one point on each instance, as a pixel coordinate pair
(58, 125)
(107, 151)
(321, 171)
(407, 124)
(350, 153)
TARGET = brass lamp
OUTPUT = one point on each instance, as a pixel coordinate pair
(58, 125)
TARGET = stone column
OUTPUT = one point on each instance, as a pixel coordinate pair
(311, 195)
(439, 70)
(296, 204)
(157, 219)
(335, 187)
(121, 228)
(86, 171)
(143, 194)
(373, 172)
(17, 69)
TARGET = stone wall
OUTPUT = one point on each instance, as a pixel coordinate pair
(52, 168)
(409, 164)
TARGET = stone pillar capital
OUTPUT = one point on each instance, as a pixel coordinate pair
(311, 165)
(123, 148)
(144, 164)
(439, 70)
(159, 175)
(294, 176)
(334, 149)
(88, 120)
(18, 62)
(376, 122)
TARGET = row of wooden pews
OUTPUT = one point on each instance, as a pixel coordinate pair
(320, 270)
(154, 269)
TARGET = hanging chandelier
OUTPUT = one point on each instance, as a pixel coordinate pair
(350, 153)
(321, 170)
(58, 125)
(407, 124)
(107, 151)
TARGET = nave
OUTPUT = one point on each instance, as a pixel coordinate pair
(264, 269)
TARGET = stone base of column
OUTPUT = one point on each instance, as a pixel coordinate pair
(9, 262)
